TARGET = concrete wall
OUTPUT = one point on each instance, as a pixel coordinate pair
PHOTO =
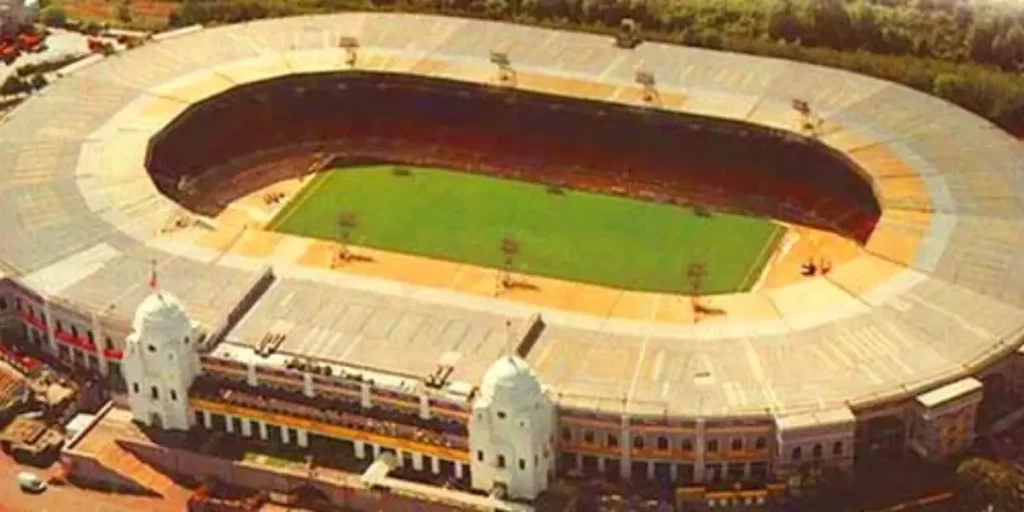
(273, 479)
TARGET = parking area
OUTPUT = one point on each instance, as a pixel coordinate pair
(67, 497)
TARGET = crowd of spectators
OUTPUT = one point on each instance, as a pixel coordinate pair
(553, 140)
(380, 420)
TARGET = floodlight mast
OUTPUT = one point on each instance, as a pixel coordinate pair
(351, 47)
(506, 75)
(645, 79)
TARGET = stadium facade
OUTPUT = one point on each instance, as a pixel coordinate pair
(896, 350)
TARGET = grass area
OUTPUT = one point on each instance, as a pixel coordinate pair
(584, 237)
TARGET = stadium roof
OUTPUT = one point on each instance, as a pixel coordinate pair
(938, 291)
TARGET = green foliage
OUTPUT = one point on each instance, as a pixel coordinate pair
(989, 485)
(53, 16)
(47, 65)
(14, 85)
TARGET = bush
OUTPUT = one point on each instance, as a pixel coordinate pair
(54, 17)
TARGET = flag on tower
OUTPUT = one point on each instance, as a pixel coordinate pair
(152, 278)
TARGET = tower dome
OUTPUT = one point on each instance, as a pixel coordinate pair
(509, 378)
(162, 317)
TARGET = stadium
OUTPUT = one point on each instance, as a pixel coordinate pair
(190, 157)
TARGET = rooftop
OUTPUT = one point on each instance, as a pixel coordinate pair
(936, 293)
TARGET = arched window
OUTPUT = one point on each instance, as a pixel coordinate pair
(662, 443)
(712, 445)
(687, 445)
(522, 464)
(817, 451)
(154, 392)
(501, 461)
(613, 440)
(638, 442)
(761, 443)
(60, 326)
(588, 436)
(174, 396)
(797, 453)
(837, 448)
(566, 434)
(480, 455)
(74, 331)
(737, 444)
(135, 387)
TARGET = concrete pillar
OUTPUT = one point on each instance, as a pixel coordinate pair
(250, 374)
(458, 470)
(375, 448)
(399, 458)
(699, 445)
(673, 471)
(364, 395)
(602, 465)
(98, 336)
(579, 462)
(650, 471)
(229, 424)
(417, 461)
(285, 438)
(307, 384)
(625, 444)
(263, 430)
(49, 326)
(301, 437)
(207, 420)
(435, 465)
(360, 447)
(246, 427)
(424, 406)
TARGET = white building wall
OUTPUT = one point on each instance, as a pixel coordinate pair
(510, 432)
(160, 363)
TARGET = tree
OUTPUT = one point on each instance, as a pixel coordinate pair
(985, 483)
(830, 23)
(783, 22)
(1008, 48)
(124, 11)
(38, 81)
(54, 17)
(864, 24)
(14, 85)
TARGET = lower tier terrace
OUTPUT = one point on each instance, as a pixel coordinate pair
(380, 421)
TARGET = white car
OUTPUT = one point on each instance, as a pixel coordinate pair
(30, 482)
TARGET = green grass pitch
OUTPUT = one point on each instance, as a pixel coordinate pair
(592, 238)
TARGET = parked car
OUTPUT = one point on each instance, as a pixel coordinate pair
(30, 482)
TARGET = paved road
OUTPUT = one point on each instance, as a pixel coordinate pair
(68, 498)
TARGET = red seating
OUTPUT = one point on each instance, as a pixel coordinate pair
(481, 131)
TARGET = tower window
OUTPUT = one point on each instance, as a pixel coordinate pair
(501, 415)
(60, 326)
(817, 451)
(186, 340)
(174, 396)
(501, 461)
(92, 338)
(74, 331)
(837, 448)
(154, 392)
(108, 343)
(135, 387)
(797, 453)
(480, 455)
(522, 464)
(152, 348)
